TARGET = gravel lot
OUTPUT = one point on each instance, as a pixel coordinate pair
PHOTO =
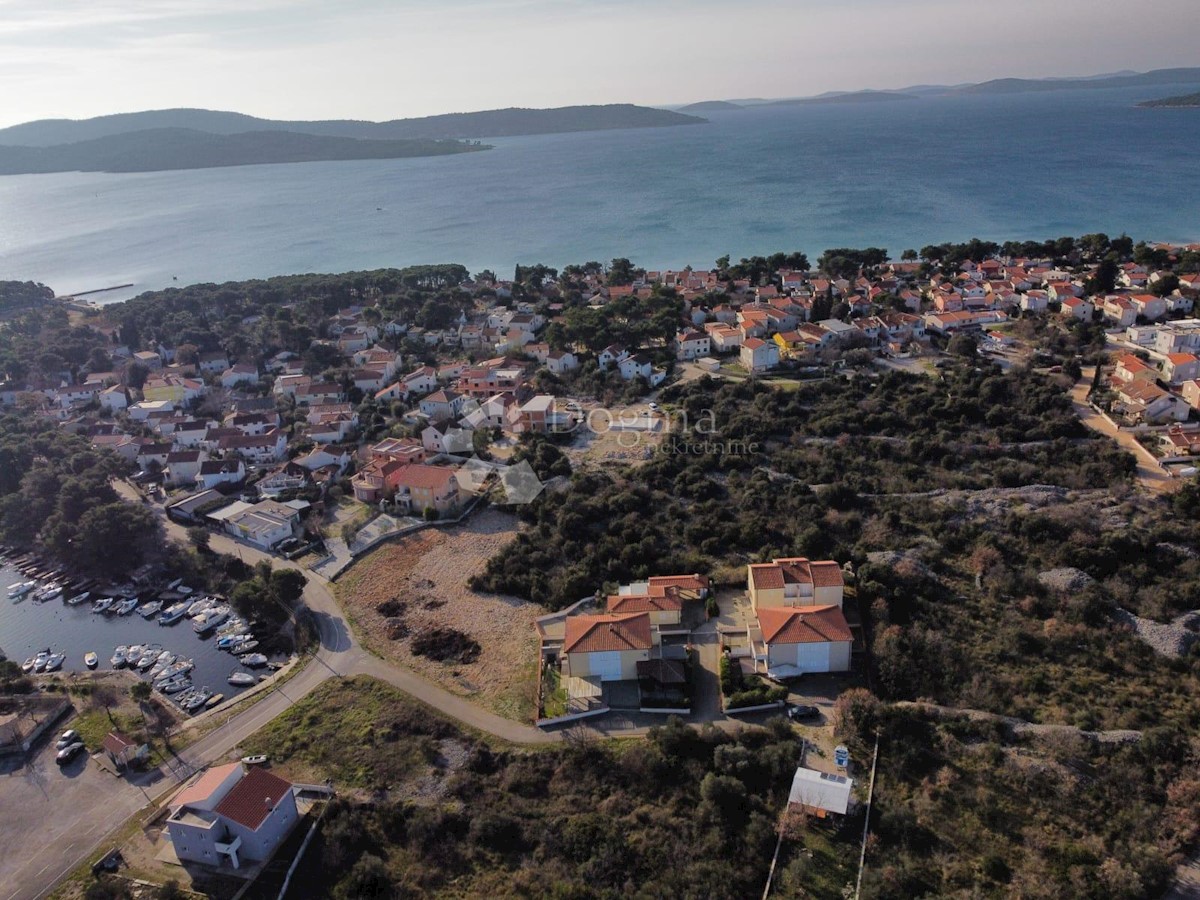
(427, 572)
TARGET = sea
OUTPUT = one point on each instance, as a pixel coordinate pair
(29, 626)
(752, 181)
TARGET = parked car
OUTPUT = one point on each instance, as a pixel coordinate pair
(68, 753)
(653, 406)
(67, 738)
(109, 862)
(800, 712)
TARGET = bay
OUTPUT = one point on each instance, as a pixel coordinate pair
(758, 180)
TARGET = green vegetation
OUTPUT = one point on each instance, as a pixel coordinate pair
(741, 690)
(18, 294)
(1182, 100)
(55, 493)
(164, 149)
(761, 472)
(686, 807)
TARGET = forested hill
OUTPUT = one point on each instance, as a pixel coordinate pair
(1182, 101)
(490, 123)
(160, 149)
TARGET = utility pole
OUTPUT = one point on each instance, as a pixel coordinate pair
(862, 857)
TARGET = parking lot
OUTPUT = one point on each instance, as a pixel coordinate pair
(43, 807)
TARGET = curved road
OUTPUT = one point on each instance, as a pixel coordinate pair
(75, 818)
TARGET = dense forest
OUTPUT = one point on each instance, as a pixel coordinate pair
(20, 294)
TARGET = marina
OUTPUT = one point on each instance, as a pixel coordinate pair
(55, 631)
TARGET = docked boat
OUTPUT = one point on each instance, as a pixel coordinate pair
(27, 666)
(253, 660)
(18, 591)
(245, 647)
(90, 659)
(54, 662)
(196, 700)
(150, 609)
(210, 619)
(125, 607)
(39, 661)
(202, 605)
(80, 598)
(214, 700)
(177, 668)
(175, 685)
(148, 658)
(231, 641)
(173, 614)
(49, 592)
(120, 657)
(241, 679)
(102, 604)
(166, 658)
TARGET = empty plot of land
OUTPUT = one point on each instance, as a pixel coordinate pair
(414, 591)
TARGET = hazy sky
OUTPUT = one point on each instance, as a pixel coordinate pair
(380, 59)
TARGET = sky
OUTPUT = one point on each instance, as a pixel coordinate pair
(384, 59)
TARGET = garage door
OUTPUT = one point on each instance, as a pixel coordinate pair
(606, 666)
(813, 657)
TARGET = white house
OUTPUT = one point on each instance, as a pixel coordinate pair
(239, 374)
(183, 466)
(821, 793)
(758, 355)
(215, 472)
(231, 814)
(692, 345)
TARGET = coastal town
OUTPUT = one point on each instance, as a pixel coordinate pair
(419, 447)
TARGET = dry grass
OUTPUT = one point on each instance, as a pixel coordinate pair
(427, 572)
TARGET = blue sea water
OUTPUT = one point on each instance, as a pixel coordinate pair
(757, 180)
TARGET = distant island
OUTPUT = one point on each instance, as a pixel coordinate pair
(1038, 85)
(162, 149)
(711, 106)
(1183, 101)
(849, 97)
(158, 140)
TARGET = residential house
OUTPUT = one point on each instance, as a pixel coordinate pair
(216, 472)
(442, 405)
(808, 638)
(271, 446)
(758, 355)
(1119, 310)
(794, 581)
(1190, 391)
(182, 467)
(1131, 368)
(540, 415)
(213, 363)
(1077, 308)
(607, 647)
(559, 362)
(1149, 307)
(149, 359)
(242, 373)
(420, 487)
(114, 399)
(231, 814)
(724, 338)
(1178, 442)
(1147, 402)
(311, 394)
(264, 524)
(692, 345)
(287, 477)
(324, 455)
(173, 388)
(405, 450)
(1180, 367)
(377, 480)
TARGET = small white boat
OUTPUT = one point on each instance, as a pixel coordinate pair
(175, 685)
(150, 609)
(245, 647)
(119, 657)
(90, 659)
(54, 662)
(102, 604)
(173, 614)
(257, 760)
(148, 658)
(27, 666)
(196, 700)
(214, 700)
(241, 679)
(127, 606)
(176, 669)
(18, 591)
(49, 592)
(39, 661)
(254, 660)
(80, 598)
(166, 659)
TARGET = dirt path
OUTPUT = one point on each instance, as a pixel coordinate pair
(1149, 474)
(1020, 727)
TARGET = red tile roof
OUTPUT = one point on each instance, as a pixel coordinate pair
(683, 582)
(803, 624)
(415, 475)
(661, 600)
(596, 634)
(795, 570)
(253, 798)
